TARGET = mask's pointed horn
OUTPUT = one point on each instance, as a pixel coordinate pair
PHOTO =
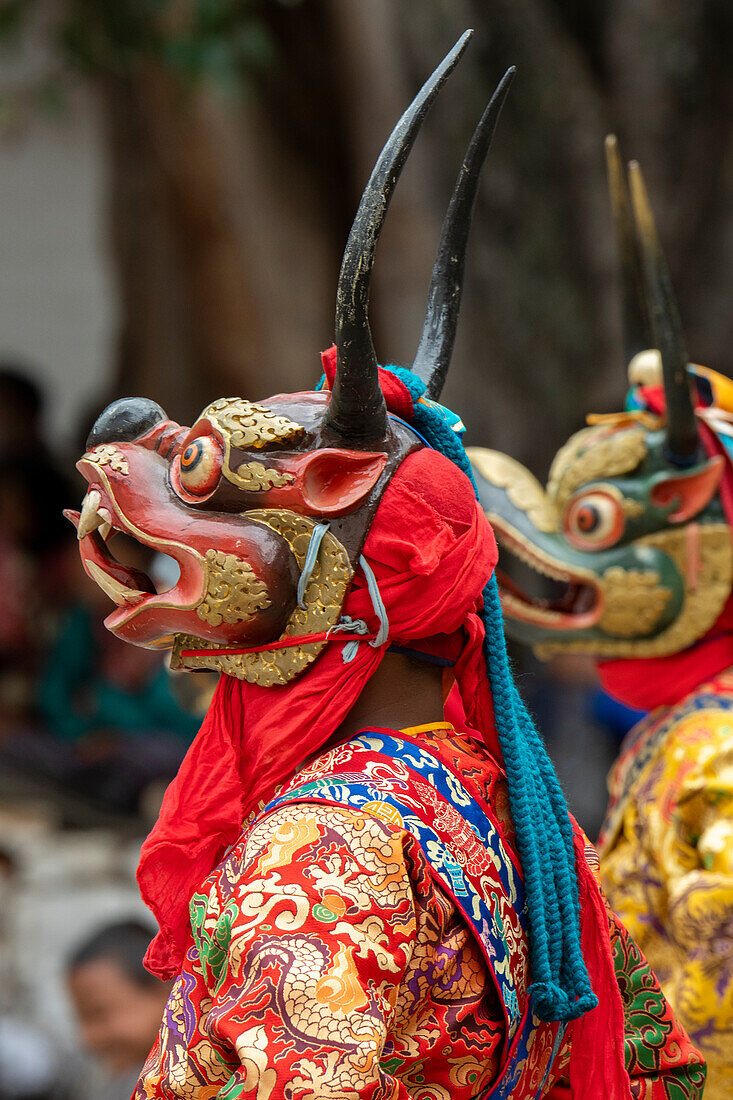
(356, 412)
(637, 329)
(682, 435)
(446, 286)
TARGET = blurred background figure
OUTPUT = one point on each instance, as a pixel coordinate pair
(104, 723)
(80, 710)
(33, 538)
(31, 1066)
(118, 1005)
(177, 180)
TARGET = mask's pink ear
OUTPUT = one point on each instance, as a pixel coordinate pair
(689, 493)
(333, 481)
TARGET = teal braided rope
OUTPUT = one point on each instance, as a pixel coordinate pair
(561, 988)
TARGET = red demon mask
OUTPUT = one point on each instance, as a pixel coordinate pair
(265, 506)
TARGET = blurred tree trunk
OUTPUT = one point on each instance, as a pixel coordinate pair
(229, 219)
(190, 315)
(224, 248)
(151, 346)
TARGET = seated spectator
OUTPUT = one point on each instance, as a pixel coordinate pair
(118, 1004)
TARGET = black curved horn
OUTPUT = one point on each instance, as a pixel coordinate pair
(446, 285)
(682, 435)
(356, 412)
(637, 330)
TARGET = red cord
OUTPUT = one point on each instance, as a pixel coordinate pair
(281, 643)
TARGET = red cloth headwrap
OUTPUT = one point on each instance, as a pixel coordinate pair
(397, 396)
(432, 552)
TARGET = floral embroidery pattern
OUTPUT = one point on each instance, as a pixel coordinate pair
(327, 962)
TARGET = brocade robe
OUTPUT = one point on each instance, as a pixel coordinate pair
(327, 961)
(666, 853)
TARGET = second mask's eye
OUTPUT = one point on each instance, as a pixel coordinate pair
(199, 466)
(594, 521)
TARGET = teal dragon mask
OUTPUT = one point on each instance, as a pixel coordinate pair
(630, 537)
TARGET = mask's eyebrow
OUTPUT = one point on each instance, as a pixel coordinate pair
(587, 457)
(249, 426)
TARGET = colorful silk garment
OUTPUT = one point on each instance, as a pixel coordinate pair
(329, 960)
(667, 862)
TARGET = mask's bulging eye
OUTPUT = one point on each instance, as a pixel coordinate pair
(594, 521)
(198, 467)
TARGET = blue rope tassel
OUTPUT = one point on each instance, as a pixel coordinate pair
(561, 988)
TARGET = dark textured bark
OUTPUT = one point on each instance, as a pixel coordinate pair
(229, 220)
(152, 355)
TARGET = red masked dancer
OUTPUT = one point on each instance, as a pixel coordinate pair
(365, 875)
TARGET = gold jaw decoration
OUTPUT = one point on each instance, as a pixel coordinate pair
(323, 600)
(233, 593)
(634, 601)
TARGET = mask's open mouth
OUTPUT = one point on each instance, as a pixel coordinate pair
(570, 598)
(129, 571)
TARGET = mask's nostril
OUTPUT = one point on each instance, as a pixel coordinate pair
(125, 420)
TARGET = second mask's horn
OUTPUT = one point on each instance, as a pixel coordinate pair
(636, 327)
(682, 435)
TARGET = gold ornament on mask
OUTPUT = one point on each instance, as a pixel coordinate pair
(233, 593)
(253, 477)
(250, 426)
(588, 456)
(323, 599)
(106, 454)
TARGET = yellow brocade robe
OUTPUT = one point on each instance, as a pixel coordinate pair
(666, 853)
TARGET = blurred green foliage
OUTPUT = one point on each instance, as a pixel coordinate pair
(224, 41)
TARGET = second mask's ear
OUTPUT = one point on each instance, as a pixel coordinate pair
(687, 494)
